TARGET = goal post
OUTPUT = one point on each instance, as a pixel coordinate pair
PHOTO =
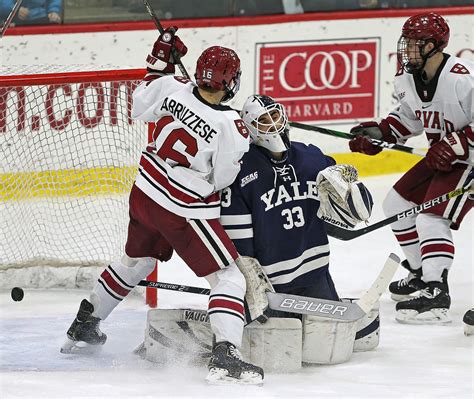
(70, 153)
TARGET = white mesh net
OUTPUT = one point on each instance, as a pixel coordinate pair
(69, 156)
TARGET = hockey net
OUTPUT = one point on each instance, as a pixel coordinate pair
(70, 151)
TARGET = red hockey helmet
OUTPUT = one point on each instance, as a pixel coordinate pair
(219, 68)
(422, 29)
(428, 27)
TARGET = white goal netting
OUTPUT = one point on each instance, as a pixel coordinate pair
(69, 156)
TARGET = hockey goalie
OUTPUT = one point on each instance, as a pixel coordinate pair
(274, 214)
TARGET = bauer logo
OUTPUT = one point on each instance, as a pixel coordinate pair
(321, 80)
(313, 307)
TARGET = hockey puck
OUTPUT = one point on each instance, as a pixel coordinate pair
(17, 294)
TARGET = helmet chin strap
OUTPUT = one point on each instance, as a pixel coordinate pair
(424, 57)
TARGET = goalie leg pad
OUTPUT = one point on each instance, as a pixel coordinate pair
(177, 336)
(184, 336)
(327, 341)
(275, 346)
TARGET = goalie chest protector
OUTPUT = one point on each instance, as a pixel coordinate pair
(270, 213)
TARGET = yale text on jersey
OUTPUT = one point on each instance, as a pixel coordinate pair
(280, 194)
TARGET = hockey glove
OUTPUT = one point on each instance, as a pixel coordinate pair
(166, 52)
(373, 130)
(258, 285)
(344, 201)
(453, 146)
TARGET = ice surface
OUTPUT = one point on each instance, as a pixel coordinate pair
(411, 361)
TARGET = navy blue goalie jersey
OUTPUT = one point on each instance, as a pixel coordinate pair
(269, 212)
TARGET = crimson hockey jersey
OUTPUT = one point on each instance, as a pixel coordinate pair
(444, 105)
(270, 213)
(196, 147)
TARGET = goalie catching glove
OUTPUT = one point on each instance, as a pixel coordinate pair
(344, 201)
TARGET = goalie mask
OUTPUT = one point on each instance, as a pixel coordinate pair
(418, 31)
(267, 122)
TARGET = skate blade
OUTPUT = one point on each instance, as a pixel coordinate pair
(400, 298)
(221, 377)
(468, 330)
(78, 347)
(434, 316)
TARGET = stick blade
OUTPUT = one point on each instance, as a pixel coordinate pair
(368, 300)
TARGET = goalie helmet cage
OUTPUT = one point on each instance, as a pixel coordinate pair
(70, 151)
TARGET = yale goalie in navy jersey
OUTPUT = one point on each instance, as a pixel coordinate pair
(274, 209)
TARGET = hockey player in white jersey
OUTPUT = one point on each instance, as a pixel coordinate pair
(436, 93)
(175, 203)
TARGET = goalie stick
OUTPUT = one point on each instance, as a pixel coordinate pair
(342, 311)
(325, 308)
(346, 234)
(10, 17)
(157, 22)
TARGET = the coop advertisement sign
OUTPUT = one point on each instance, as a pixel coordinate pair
(321, 80)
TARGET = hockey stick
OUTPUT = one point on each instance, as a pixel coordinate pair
(175, 287)
(350, 136)
(10, 17)
(346, 234)
(343, 311)
(283, 302)
(157, 22)
(325, 308)
(378, 143)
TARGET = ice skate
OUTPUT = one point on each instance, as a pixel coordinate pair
(468, 320)
(84, 335)
(226, 366)
(402, 290)
(429, 307)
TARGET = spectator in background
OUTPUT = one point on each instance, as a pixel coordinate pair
(4, 12)
(35, 12)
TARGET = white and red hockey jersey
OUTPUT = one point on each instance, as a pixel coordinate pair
(444, 105)
(196, 147)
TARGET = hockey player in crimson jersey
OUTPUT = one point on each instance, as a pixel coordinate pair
(175, 204)
(436, 93)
